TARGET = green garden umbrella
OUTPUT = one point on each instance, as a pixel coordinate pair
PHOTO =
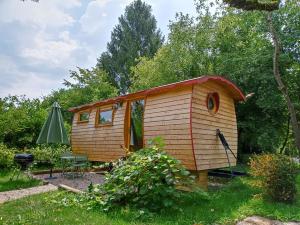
(53, 130)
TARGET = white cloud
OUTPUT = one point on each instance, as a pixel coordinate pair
(68, 4)
(33, 85)
(52, 52)
(41, 41)
(94, 17)
(102, 15)
(17, 82)
(6, 64)
(42, 14)
(124, 3)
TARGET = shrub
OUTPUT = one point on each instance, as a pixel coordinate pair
(48, 153)
(147, 179)
(6, 157)
(41, 154)
(276, 174)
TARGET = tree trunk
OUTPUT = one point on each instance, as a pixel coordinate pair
(287, 136)
(280, 83)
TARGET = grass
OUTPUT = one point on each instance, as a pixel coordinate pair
(22, 182)
(227, 205)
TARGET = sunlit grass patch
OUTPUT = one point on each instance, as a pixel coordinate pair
(235, 201)
(20, 182)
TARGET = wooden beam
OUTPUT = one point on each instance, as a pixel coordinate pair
(202, 179)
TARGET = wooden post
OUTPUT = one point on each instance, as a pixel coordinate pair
(202, 179)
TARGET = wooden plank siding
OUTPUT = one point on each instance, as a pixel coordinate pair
(99, 143)
(209, 151)
(180, 116)
(168, 115)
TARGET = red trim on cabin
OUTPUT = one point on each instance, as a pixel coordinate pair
(144, 141)
(216, 98)
(235, 91)
(191, 128)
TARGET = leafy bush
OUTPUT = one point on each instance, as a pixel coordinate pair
(41, 154)
(48, 153)
(244, 158)
(147, 179)
(6, 157)
(276, 174)
(21, 120)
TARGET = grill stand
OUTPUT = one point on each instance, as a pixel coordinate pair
(23, 162)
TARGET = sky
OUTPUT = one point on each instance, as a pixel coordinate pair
(41, 42)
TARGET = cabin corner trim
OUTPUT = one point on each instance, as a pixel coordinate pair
(191, 127)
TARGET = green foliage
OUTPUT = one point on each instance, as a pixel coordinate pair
(93, 83)
(86, 86)
(48, 153)
(265, 5)
(6, 157)
(23, 181)
(20, 121)
(173, 62)
(135, 36)
(41, 154)
(276, 174)
(147, 179)
(224, 41)
(236, 44)
(231, 203)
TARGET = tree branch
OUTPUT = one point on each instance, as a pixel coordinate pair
(280, 83)
(249, 5)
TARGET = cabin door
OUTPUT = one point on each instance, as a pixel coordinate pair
(134, 125)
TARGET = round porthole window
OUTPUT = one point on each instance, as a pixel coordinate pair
(212, 102)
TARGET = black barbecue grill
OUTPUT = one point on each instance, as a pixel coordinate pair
(24, 160)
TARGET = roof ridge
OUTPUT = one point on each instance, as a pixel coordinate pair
(197, 80)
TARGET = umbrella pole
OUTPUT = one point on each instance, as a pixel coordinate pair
(51, 166)
(51, 163)
(50, 172)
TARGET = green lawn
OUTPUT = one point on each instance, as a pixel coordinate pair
(22, 182)
(233, 202)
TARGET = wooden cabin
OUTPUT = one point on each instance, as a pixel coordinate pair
(185, 114)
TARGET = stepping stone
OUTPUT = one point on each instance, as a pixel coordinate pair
(258, 220)
(16, 194)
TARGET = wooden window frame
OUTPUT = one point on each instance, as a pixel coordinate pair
(127, 122)
(99, 110)
(216, 99)
(83, 121)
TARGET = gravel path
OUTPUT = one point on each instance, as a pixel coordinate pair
(16, 194)
(258, 220)
(80, 183)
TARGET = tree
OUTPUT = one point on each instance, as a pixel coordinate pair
(233, 43)
(87, 85)
(186, 55)
(267, 5)
(135, 36)
(20, 121)
(271, 6)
